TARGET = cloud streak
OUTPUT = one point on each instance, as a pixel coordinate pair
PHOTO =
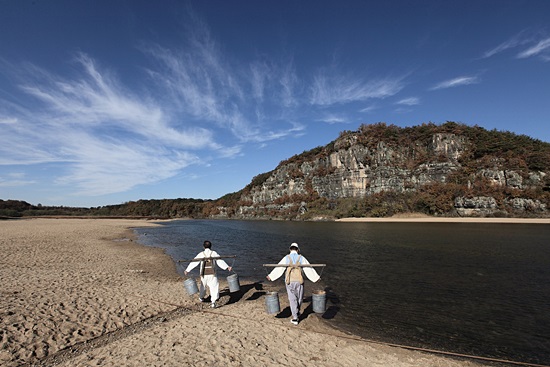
(103, 167)
(333, 89)
(411, 101)
(204, 85)
(538, 46)
(333, 119)
(101, 131)
(515, 41)
(456, 82)
(15, 180)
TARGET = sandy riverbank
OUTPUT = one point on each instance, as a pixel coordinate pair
(420, 218)
(80, 292)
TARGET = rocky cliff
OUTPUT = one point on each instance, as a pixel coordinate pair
(382, 170)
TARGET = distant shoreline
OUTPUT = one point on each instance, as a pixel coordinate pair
(428, 219)
(404, 218)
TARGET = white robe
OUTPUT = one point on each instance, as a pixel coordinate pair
(210, 281)
(207, 253)
(310, 273)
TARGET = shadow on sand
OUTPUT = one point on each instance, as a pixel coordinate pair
(244, 289)
(331, 310)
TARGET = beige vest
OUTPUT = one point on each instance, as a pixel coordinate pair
(294, 273)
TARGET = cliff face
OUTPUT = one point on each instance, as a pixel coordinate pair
(355, 166)
(354, 170)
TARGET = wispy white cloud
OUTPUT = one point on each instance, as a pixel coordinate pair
(411, 101)
(297, 129)
(27, 142)
(8, 120)
(106, 166)
(517, 40)
(259, 77)
(14, 183)
(109, 139)
(456, 82)
(15, 179)
(206, 85)
(276, 81)
(328, 89)
(288, 82)
(539, 45)
(333, 119)
(402, 110)
(369, 108)
(98, 103)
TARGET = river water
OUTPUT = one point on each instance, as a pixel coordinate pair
(470, 288)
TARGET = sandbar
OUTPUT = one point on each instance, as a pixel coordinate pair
(419, 218)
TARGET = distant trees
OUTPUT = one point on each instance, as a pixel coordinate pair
(487, 150)
(166, 208)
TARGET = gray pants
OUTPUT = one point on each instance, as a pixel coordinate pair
(295, 292)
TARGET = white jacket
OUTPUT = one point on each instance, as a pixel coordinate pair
(310, 273)
(207, 253)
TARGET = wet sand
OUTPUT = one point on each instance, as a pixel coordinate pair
(82, 292)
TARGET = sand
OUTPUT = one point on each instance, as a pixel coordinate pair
(82, 292)
(422, 218)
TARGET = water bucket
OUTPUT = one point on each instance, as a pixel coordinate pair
(191, 286)
(272, 302)
(319, 301)
(233, 282)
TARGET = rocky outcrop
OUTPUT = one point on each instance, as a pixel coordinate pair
(357, 171)
(483, 206)
(354, 166)
(479, 206)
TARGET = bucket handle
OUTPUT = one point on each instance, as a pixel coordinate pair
(233, 263)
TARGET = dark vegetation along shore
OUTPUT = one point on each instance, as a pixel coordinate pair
(380, 170)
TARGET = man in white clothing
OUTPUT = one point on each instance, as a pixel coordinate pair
(294, 280)
(208, 272)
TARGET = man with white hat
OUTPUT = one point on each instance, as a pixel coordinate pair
(294, 280)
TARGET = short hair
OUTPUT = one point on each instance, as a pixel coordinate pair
(207, 244)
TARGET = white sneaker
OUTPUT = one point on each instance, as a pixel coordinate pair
(294, 321)
(213, 305)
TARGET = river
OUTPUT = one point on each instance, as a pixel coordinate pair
(472, 288)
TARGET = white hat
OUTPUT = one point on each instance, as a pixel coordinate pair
(294, 244)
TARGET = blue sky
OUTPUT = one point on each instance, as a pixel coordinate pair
(104, 102)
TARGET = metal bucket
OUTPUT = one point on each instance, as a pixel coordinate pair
(272, 302)
(191, 286)
(319, 301)
(233, 282)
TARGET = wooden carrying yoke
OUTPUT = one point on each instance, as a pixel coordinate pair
(208, 258)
